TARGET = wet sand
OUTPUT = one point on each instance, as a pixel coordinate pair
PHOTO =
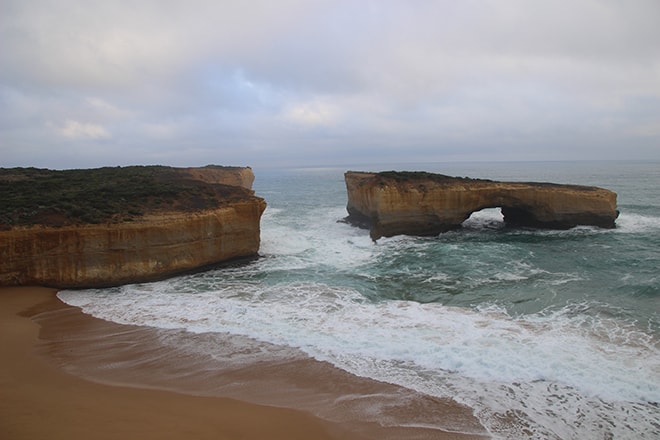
(65, 374)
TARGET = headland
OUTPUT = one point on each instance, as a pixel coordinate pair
(117, 225)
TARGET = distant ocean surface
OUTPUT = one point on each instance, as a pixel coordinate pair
(548, 334)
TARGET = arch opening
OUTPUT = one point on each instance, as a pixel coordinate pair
(485, 219)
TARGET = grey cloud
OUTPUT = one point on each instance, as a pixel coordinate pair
(299, 81)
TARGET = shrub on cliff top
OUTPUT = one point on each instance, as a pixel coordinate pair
(31, 196)
(413, 176)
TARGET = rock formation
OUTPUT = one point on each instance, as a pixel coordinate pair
(192, 225)
(419, 203)
(234, 176)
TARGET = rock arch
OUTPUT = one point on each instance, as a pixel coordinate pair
(418, 203)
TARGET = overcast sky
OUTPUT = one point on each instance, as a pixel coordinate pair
(87, 83)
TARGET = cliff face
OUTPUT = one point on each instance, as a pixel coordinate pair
(234, 176)
(151, 246)
(428, 204)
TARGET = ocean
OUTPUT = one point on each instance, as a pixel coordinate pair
(541, 334)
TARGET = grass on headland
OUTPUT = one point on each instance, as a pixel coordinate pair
(30, 196)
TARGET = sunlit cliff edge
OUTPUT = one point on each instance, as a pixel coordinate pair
(112, 226)
(423, 204)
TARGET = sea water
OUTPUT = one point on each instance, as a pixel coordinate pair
(543, 334)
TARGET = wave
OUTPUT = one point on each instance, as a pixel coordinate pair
(329, 322)
(627, 222)
(443, 351)
(637, 223)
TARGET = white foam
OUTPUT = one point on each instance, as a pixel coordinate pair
(490, 218)
(478, 357)
(326, 241)
(339, 325)
(637, 223)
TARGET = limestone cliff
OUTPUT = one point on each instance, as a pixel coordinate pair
(417, 203)
(190, 225)
(234, 176)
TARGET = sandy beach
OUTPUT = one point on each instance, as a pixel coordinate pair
(39, 401)
(43, 399)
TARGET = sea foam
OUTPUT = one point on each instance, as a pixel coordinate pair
(435, 349)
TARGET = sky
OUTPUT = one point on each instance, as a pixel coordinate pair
(86, 83)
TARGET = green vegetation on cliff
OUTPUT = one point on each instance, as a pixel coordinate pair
(414, 176)
(30, 196)
(419, 176)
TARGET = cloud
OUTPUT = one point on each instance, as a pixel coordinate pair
(121, 43)
(305, 81)
(312, 113)
(78, 130)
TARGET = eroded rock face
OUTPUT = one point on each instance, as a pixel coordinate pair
(235, 176)
(151, 246)
(393, 203)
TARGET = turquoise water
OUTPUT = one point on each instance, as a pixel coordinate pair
(523, 271)
(555, 331)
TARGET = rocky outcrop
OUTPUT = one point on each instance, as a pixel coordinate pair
(153, 245)
(418, 203)
(234, 176)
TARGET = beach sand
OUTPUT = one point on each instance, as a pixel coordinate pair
(67, 375)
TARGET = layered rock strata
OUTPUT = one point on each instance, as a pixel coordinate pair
(423, 204)
(153, 245)
(234, 176)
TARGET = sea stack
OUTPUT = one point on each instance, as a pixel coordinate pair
(424, 204)
(112, 226)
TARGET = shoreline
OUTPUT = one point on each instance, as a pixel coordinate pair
(71, 375)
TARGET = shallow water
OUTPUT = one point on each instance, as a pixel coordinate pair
(552, 334)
